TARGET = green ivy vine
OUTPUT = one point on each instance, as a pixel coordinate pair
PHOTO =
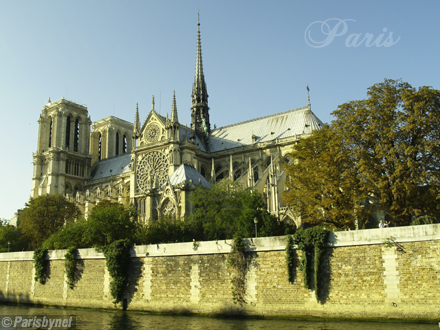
(311, 242)
(41, 264)
(237, 261)
(70, 266)
(290, 257)
(117, 257)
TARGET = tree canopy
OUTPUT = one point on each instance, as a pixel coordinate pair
(45, 215)
(228, 210)
(380, 154)
(10, 238)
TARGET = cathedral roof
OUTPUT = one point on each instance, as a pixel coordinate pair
(186, 172)
(111, 166)
(264, 129)
(187, 133)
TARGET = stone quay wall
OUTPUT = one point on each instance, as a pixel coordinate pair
(362, 278)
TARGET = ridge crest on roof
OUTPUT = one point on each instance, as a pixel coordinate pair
(259, 118)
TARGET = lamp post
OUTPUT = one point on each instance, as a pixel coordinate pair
(256, 222)
(9, 243)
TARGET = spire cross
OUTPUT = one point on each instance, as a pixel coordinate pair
(308, 93)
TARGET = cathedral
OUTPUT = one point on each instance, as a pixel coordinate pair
(155, 165)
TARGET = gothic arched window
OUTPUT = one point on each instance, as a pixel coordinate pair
(220, 175)
(99, 147)
(124, 144)
(76, 138)
(256, 177)
(237, 173)
(50, 133)
(68, 132)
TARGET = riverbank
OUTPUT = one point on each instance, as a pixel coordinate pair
(362, 278)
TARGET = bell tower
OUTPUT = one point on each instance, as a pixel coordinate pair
(62, 161)
(199, 109)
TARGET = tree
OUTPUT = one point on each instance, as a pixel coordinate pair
(323, 187)
(45, 215)
(10, 238)
(227, 210)
(70, 236)
(379, 154)
(394, 140)
(109, 222)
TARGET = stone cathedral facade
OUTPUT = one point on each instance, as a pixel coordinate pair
(155, 164)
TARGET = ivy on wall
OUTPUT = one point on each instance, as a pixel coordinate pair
(41, 264)
(117, 257)
(311, 242)
(290, 255)
(70, 266)
(237, 261)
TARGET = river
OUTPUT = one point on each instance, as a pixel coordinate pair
(88, 319)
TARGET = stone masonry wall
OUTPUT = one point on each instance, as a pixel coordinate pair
(361, 278)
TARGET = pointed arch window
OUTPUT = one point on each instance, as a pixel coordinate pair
(68, 122)
(99, 147)
(124, 144)
(117, 144)
(50, 133)
(219, 175)
(76, 138)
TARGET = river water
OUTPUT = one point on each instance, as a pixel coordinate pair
(86, 319)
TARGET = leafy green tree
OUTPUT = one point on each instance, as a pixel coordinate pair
(109, 222)
(227, 210)
(10, 238)
(45, 215)
(379, 154)
(393, 138)
(70, 236)
(323, 185)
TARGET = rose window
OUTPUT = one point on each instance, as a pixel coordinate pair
(152, 171)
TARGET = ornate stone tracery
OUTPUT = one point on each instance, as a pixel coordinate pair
(152, 171)
(153, 133)
(169, 209)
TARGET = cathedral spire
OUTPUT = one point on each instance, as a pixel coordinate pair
(174, 109)
(200, 94)
(199, 109)
(137, 123)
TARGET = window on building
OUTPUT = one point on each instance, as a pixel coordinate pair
(256, 177)
(268, 161)
(50, 133)
(237, 172)
(124, 146)
(68, 131)
(76, 140)
(220, 175)
(99, 147)
(202, 171)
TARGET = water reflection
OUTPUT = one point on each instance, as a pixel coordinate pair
(131, 320)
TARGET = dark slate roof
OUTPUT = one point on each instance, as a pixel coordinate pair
(111, 166)
(277, 126)
(186, 132)
(187, 172)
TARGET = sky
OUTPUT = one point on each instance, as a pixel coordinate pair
(258, 58)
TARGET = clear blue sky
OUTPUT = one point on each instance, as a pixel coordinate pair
(109, 55)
